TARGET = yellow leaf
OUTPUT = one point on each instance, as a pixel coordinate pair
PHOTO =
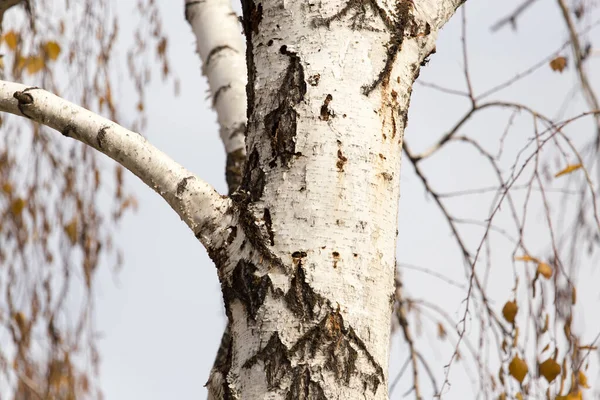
(525, 257)
(545, 270)
(17, 206)
(583, 380)
(558, 64)
(52, 50)
(509, 311)
(7, 188)
(11, 39)
(518, 369)
(34, 64)
(71, 230)
(549, 369)
(573, 295)
(519, 396)
(571, 396)
(568, 170)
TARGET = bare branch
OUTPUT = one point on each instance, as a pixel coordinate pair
(198, 204)
(512, 17)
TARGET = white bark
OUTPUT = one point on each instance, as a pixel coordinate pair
(196, 202)
(219, 44)
(309, 285)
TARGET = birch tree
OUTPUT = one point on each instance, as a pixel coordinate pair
(304, 250)
(312, 112)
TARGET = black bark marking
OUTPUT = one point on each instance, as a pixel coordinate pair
(101, 136)
(281, 123)
(181, 186)
(326, 112)
(252, 16)
(248, 287)
(269, 226)
(313, 80)
(303, 387)
(426, 59)
(400, 24)
(254, 178)
(219, 92)
(341, 160)
(188, 9)
(341, 348)
(234, 167)
(216, 50)
(23, 99)
(275, 359)
(336, 258)
(253, 233)
(68, 129)
(301, 299)
(298, 255)
(232, 235)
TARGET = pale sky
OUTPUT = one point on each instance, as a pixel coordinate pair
(161, 316)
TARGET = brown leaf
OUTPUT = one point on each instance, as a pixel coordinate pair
(34, 64)
(11, 38)
(52, 50)
(583, 380)
(71, 230)
(17, 206)
(509, 311)
(550, 369)
(518, 369)
(558, 64)
(545, 270)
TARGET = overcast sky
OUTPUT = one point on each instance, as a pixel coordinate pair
(161, 316)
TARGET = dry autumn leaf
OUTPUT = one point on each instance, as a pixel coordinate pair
(558, 64)
(519, 396)
(52, 50)
(583, 380)
(545, 270)
(11, 39)
(525, 257)
(71, 230)
(571, 396)
(7, 188)
(34, 64)
(17, 206)
(509, 311)
(568, 170)
(518, 369)
(550, 369)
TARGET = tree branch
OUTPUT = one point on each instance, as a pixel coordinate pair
(196, 202)
(221, 49)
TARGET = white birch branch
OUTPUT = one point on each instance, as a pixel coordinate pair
(437, 12)
(196, 202)
(221, 49)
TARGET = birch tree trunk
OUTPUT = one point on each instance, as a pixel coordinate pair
(305, 248)
(308, 280)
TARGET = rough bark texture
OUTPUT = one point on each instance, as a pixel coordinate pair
(308, 277)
